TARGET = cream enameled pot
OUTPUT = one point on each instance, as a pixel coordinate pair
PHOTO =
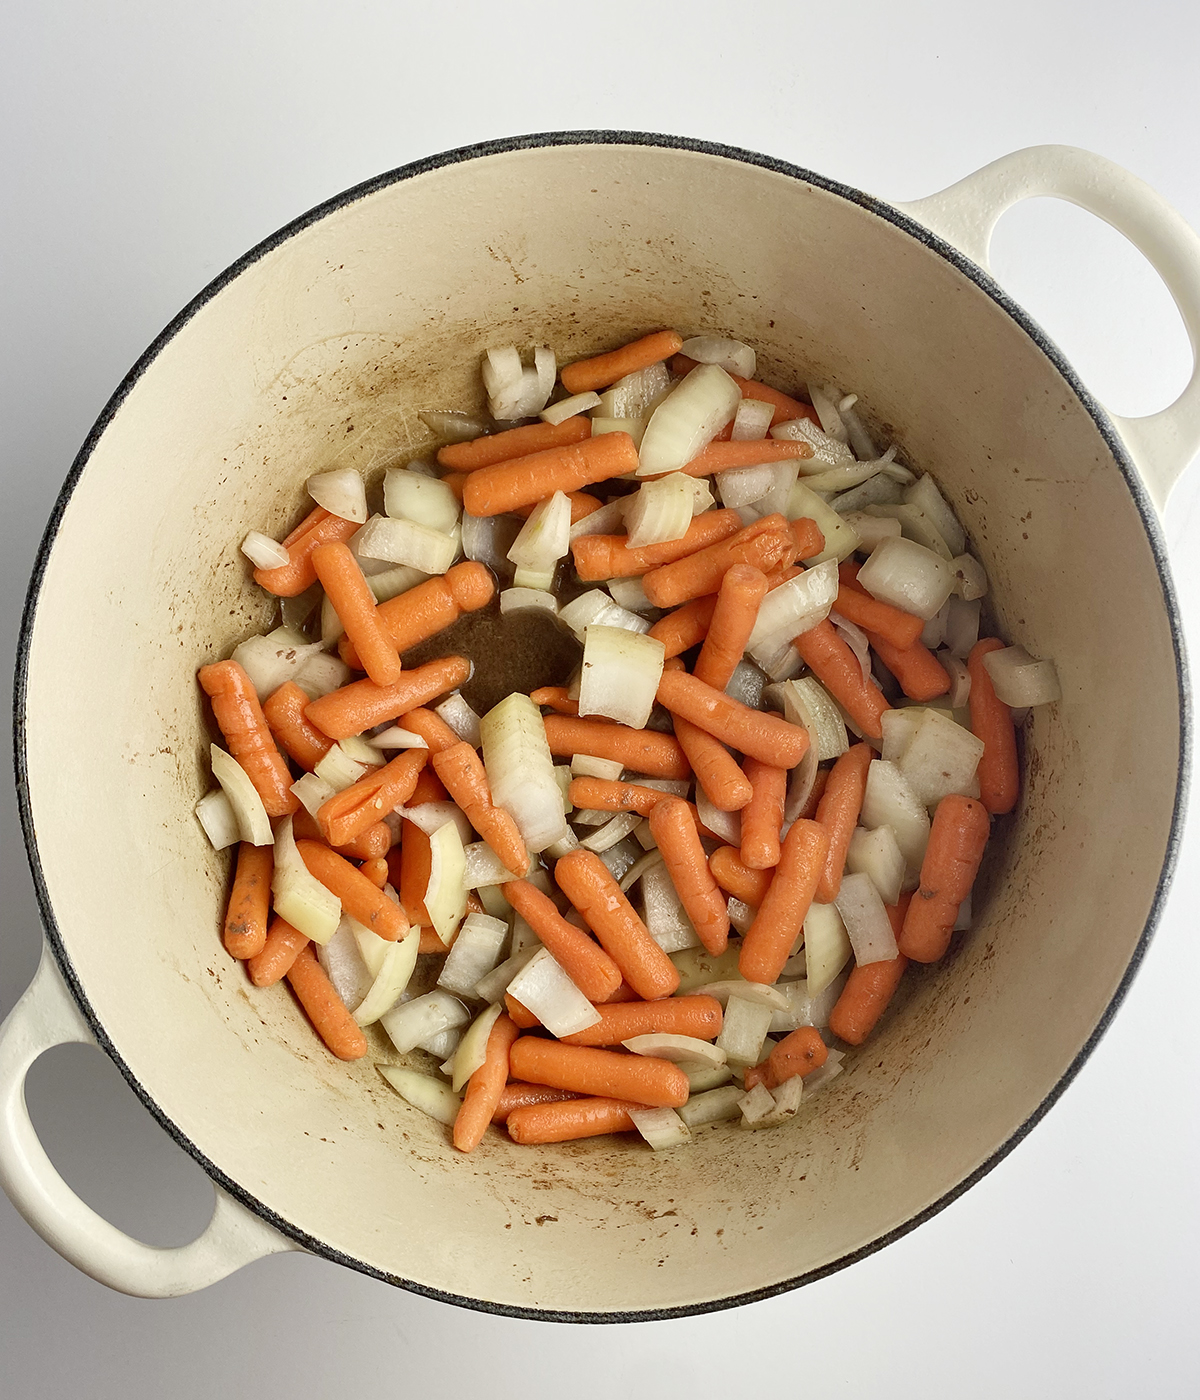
(320, 346)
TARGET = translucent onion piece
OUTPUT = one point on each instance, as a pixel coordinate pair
(517, 599)
(756, 1105)
(459, 715)
(545, 537)
(960, 679)
(452, 426)
(660, 511)
(253, 823)
(635, 427)
(856, 639)
(621, 674)
(279, 656)
(933, 634)
(393, 737)
(828, 452)
(614, 830)
(745, 1027)
(698, 967)
(890, 801)
(520, 770)
(596, 608)
(343, 963)
(841, 540)
(338, 769)
(406, 542)
(495, 984)
(679, 1049)
(687, 420)
(432, 816)
(826, 946)
(746, 685)
(825, 399)
(962, 626)
(876, 855)
(915, 525)
(756, 992)
(488, 539)
(662, 1128)
(970, 580)
(752, 420)
(501, 370)
(792, 608)
(742, 486)
(608, 520)
(806, 702)
(545, 989)
(633, 396)
(568, 408)
(859, 438)
(620, 858)
(726, 825)
(299, 897)
(662, 910)
(446, 895)
(313, 792)
(717, 1105)
(877, 490)
(866, 920)
(413, 1022)
(940, 758)
(340, 492)
(1020, 680)
(471, 1051)
(423, 1092)
(399, 960)
(648, 861)
(628, 593)
(925, 495)
(908, 576)
(475, 953)
(264, 552)
(484, 867)
(409, 495)
(733, 356)
(219, 820)
(321, 674)
(583, 765)
(871, 529)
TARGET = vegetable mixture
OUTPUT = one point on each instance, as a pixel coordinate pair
(663, 886)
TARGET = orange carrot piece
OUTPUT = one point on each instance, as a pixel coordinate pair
(738, 599)
(525, 480)
(555, 698)
(809, 539)
(755, 733)
(609, 556)
(582, 505)
(588, 884)
(786, 408)
(797, 1054)
(461, 770)
(349, 813)
(838, 670)
(921, 675)
(249, 901)
(721, 456)
(360, 899)
(414, 616)
(431, 727)
(431, 943)
(410, 873)
(485, 1087)
(586, 964)
(674, 829)
(429, 787)
(600, 371)
(639, 1079)
(762, 816)
(240, 718)
(317, 528)
(376, 840)
(820, 782)
(680, 630)
(768, 942)
(376, 870)
(324, 1008)
(856, 605)
(607, 795)
(957, 838)
(838, 814)
(519, 1013)
(302, 742)
(533, 1124)
(764, 544)
(992, 721)
(641, 750)
(363, 704)
(737, 878)
(870, 988)
(515, 442)
(716, 769)
(350, 594)
(281, 949)
(525, 1096)
(697, 1016)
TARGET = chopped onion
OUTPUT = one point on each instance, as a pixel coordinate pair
(608, 520)
(219, 820)
(535, 580)
(445, 894)
(357, 748)
(595, 607)
(298, 896)
(756, 1106)
(367, 562)
(970, 580)
(423, 1092)
(515, 392)
(471, 1052)
(615, 829)
(757, 992)
(338, 769)
(545, 989)
(859, 438)
(459, 715)
(827, 452)
(545, 537)
(633, 396)
(962, 626)
(899, 725)
(393, 737)
(516, 599)
(746, 685)
(321, 674)
(1020, 680)
(662, 910)
(628, 593)
(495, 984)
(699, 1079)
(432, 816)
(635, 427)
(841, 540)
(487, 539)
(453, 426)
(406, 542)
(583, 765)
(660, 511)
(915, 525)
(733, 356)
(331, 625)
(475, 953)
(413, 1022)
(501, 369)
(679, 1049)
(662, 1128)
(687, 420)
(295, 612)
(856, 639)
(647, 861)
(726, 825)
(586, 817)
(877, 490)
(313, 792)
(697, 967)
(484, 867)
(940, 758)
(876, 855)
(253, 823)
(568, 408)
(399, 960)
(800, 785)
(782, 665)
(792, 608)
(442, 1047)
(890, 801)
(744, 1028)
(785, 1104)
(741, 916)
(871, 529)
(271, 660)
(752, 419)
(866, 920)
(960, 679)
(825, 399)
(340, 492)
(520, 770)
(425, 500)
(933, 634)
(742, 486)
(800, 1007)
(908, 576)
(621, 673)
(264, 552)
(925, 495)
(718, 1105)
(806, 702)
(826, 946)
(620, 858)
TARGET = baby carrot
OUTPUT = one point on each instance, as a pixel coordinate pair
(376, 870)
(641, 750)
(697, 1016)
(555, 698)
(768, 942)
(431, 943)
(410, 873)
(429, 788)
(921, 675)
(301, 741)
(797, 1054)
(485, 1087)
(869, 988)
(582, 505)
(422, 612)
(525, 480)
(809, 810)
(674, 829)
(515, 442)
(520, 1014)
(682, 629)
(957, 837)
(376, 840)
(249, 901)
(363, 704)
(360, 899)
(991, 721)
(737, 878)
(755, 733)
(279, 952)
(762, 816)
(838, 812)
(350, 812)
(721, 456)
(600, 371)
(838, 670)
(716, 769)
(786, 409)
(640, 1079)
(808, 538)
(588, 966)
(738, 598)
(533, 1124)
(586, 881)
(524, 1096)
(240, 719)
(324, 1008)
(461, 770)
(606, 795)
(431, 727)
(608, 556)
(350, 594)
(856, 605)
(317, 528)
(764, 544)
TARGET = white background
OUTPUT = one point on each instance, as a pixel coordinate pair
(146, 145)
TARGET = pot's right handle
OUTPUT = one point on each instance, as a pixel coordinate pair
(965, 214)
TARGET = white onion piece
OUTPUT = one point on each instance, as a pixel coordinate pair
(806, 702)
(801, 782)
(757, 992)
(298, 896)
(264, 552)
(826, 946)
(650, 860)
(413, 1022)
(487, 539)
(471, 1051)
(545, 364)
(679, 1049)
(425, 500)
(899, 726)
(393, 737)
(615, 829)
(501, 369)
(756, 1106)
(295, 612)
(744, 1028)
(827, 452)
(342, 961)
(587, 817)
(726, 825)
(933, 634)
(517, 599)
(628, 593)
(741, 916)
(662, 909)
(340, 492)
(399, 960)
(841, 539)
(871, 529)
(782, 664)
(698, 967)
(677, 787)
(924, 494)
(458, 714)
(940, 758)
(445, 895)
(800, 1007)
(608, 520)
(890, 801)
(271, 660)
(569, 408)
(621, 674)
(776, 499)
(717, 1105)
(635, 427)
(1020, 680)
(484, 867)
(825, 399)
(595, 607)
(917, 526)
(866, 920)
(365, 560)
(423, 1092)
(534, 580)
(313, 792)
(357, 748)
(752, 420)
(785, 1104)
(792, 608)
(860, 440)
(583, 765)
(662, 1128)
(633, 396)
(331, 625)
(746, 685)
(856, 639)
(372, 949)
(908, 576)
(877, 490)
(545, 989)
(742, 486)
(406, 542)
(453, 426)
(338, 769)
(660, 511)
(219, 820)
(321, 674)
(970, 580)
(520, 770)
(475, 953)
(620, 858)
(687, 420)
(733, 356)
(432, 816)
(877, 855)
(962, 626)
(253, 823)
(545, 537)
(492, 987)
(960, 678)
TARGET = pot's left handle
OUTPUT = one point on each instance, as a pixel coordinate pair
(47, 1016)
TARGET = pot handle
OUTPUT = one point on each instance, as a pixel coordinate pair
(1161, 444)
(47, 1016)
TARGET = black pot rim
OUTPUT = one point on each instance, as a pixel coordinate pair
(906, 225)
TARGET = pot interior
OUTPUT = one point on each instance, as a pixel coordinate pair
(321, 351)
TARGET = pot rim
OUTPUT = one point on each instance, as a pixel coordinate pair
(904, 224)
